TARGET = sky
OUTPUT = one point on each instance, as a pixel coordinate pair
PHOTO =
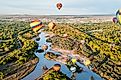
(70, 7)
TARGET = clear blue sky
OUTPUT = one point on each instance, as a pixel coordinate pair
(70, 7)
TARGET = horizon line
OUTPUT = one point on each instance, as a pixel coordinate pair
(57, 15)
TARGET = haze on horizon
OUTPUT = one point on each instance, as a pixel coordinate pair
(70, 7)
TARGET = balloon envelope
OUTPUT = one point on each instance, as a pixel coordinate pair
(73, 69)
(118, 16)
(59, 5)
(44, 47)
(115, 20)
(57, 67)
(87, 62)
(51, 25)
(36, 25)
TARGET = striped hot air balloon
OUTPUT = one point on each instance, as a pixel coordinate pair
(36, 25)
(118, 16)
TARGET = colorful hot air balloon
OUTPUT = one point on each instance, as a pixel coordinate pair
(115, 20)
(51, 25)
(44, 47)
(59, 5)
(36, 25)
(57, 67)
(118, 16)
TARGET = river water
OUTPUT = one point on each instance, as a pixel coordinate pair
(38, 71)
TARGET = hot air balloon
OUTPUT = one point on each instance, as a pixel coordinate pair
(44, 47)
(87, 62)
(59, 5)
(36, 25)
(115, 20)
(65, 35)
(57, 67)
(118, 16)
(73, 69)
(51, 25)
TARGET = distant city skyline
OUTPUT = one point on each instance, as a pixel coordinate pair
(70, 7)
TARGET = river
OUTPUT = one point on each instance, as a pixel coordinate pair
(84, 75)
